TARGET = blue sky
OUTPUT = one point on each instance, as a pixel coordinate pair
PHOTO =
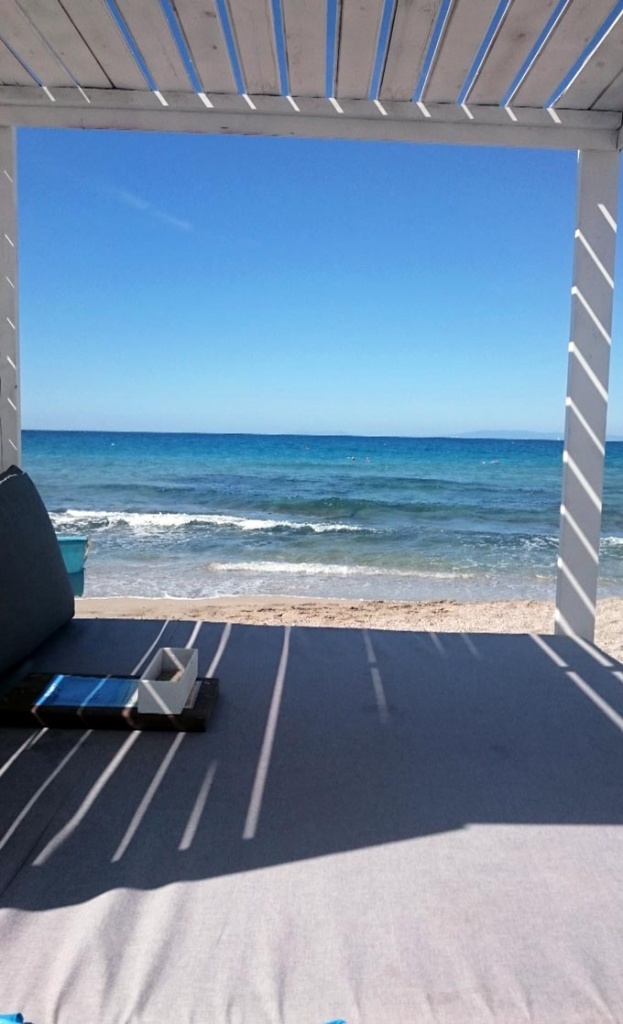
(277, 285)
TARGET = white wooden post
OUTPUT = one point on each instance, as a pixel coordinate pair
(587, 393)
(10, 425)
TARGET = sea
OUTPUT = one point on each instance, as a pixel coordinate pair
(208, 515)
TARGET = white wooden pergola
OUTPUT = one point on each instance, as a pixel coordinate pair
(523, 73)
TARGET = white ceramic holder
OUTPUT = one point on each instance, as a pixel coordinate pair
(165, 684)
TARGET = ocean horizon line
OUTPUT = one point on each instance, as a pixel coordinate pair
(501, 435)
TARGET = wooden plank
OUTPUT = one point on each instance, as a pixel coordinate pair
(598, 75)
(570, 37)
(464, 33)
(357, 44)
(97, 27)
(206, 43)
(515, 38)
(49, 18)
(408, 44)
(252, 24)
(305, 27)
(11, 71)
(25, 41)
(10, 423)
(612, 98)
(157, 46)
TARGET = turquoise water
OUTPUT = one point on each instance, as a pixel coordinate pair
(400, 518)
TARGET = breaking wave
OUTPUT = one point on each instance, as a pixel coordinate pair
(154, 522)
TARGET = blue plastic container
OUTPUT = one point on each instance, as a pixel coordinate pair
(77, 586)
(74, 551)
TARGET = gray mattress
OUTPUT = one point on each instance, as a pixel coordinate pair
(376, 827)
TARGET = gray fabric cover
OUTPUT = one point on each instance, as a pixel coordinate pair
(380, 827)
(35, 592)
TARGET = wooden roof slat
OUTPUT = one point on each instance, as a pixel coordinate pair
(252, 23)
(357, 43)
(22, 38)
(305, 27)
(206, 42)
(612, 98)
(516, 36)
(11, 71)
(96, 25)
(61, 35)
(158, 48)
(408, 44)
(462, 38)
(570, 37)
(599, 73)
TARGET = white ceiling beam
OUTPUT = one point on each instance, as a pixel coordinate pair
(273, 116)
(449, 113)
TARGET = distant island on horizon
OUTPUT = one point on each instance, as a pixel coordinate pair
(511, 435)
(520, 435)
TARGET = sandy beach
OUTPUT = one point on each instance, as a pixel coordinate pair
(445, 616)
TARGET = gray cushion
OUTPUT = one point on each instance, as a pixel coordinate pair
(35, 592)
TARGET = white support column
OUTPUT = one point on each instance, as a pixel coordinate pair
(10, 425)
(587, 393)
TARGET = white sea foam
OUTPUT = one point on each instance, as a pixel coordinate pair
(538, 543)
(322, 569)
(152, 522)
(612, 542)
